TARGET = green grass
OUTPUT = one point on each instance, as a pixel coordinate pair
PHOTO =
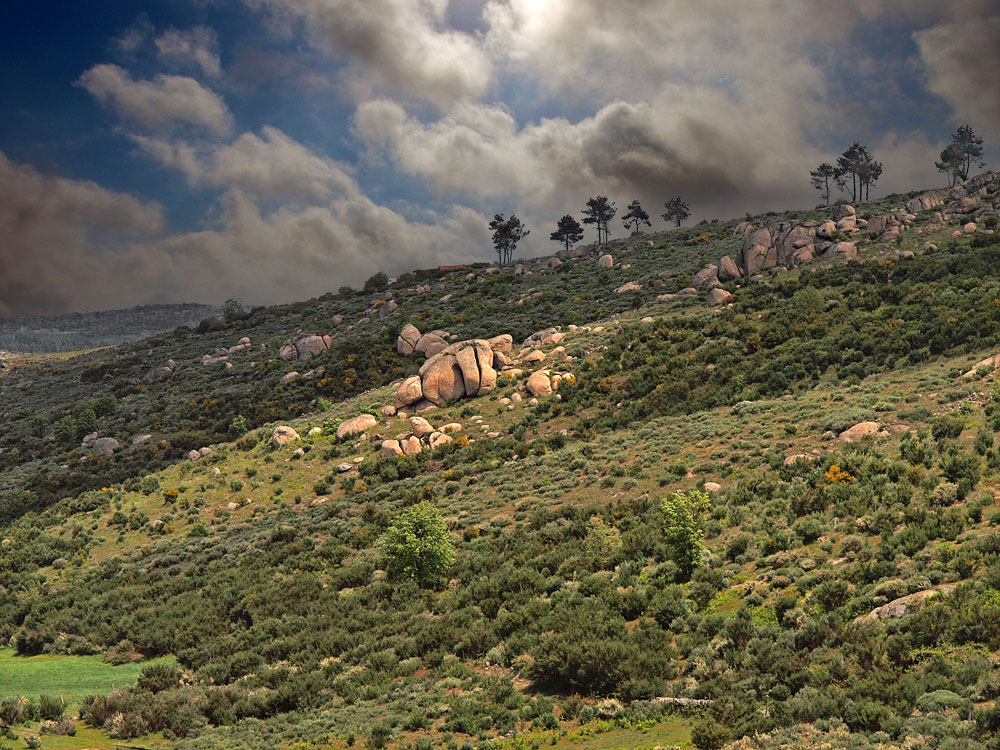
(71, 677)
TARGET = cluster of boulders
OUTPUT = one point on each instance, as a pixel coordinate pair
(459, 370)
(156, 374)
(420, 435)
(100, 446)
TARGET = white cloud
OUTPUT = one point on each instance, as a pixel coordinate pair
(196, 47)
(270, 165)
(402, 46)
(158, 104)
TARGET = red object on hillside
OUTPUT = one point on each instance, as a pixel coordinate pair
(459, 267)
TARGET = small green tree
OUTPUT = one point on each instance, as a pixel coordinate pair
(970, 149)
(952, 163)
(677, 210)
(822, 179)
(599, 212)
(418, 545)
(685, 526)
(603, 542)
(568, 231)
(66, 430)
(232, 309)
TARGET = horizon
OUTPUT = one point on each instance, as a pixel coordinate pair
(274, 150)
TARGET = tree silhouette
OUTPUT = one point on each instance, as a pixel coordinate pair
(677, 210)
(635, 217)
(822, 178)
(952, 162)
(506, 234)
(971, 148)
(864, 171)
(568, 231)
(599, 212)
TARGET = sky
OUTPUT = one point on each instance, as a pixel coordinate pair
(276, 150)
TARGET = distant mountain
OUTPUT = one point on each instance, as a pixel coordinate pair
(74, 331)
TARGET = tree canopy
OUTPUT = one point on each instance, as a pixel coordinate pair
(677, 210)
(969, 147)
(860, 165)
(822, 179)
(635, 217)
(418, 545)
(506, 234)
(599, 212)
(568, 231)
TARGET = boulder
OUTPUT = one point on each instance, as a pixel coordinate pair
(905, 605)
(503, 343)
(193, 455)
(728, 269)
(308, 347)
(421, 427)
(344, 468)
(756, 253)
(605, 261)
(104, 446)
(826, 230)
(441, 377)
(432, 343)
(878, 224)
(718, 297)
(970, 228)
(713, 487)
(628, 286)
(406, 342)
(438, 439)
(283, 434)
(533, 357)
(539, 384)
(744, 227)
(451, 427)
(860, 431)
(288, 377)
(543, 338)
(391, 448)
(468, 361)
(389, 308)
(411, 445)
(355, 426)
(409, 392)
(706, 277)
(847, 249)
(140, 439)
(389, 411)
(842, 211)
(966, 206)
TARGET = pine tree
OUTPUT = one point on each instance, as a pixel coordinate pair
(635, 217)
(568, 231)
(822, 178)
(677, 210)
(600, 212)
(971, 148)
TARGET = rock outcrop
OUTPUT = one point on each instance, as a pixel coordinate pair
(305, 348)
(406, 342)
(860, 431)
(459, 370)
(283, 434)
(104, 446)
(355, 426)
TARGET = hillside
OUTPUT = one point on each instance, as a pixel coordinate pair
(734, 483)
(77, 331)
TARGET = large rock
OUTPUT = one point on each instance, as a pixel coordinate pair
(104, 446)
(410, 391)
(442, 380)
(283, 434)
(503, 343)
(539, 383)
(355, 426)
(727, 268)
(542, 338)
(391, 448)
(846, 249)
(842, 211)
(308, 347)
(860, 431)
(906, 605)
(756, 254)
(411, 445)
(826, 231)
(421, 427)
(706, 277)
(629, 286)
(744, 227)
(406, 342)
(432, 343)
(925, 202)
(605, 261)
(718, 297)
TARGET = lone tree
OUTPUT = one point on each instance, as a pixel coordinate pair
(823, 178)
(971, 148)
(684, 516)
(635, 217)
(677, 210)
(952, 163)
(418, 545)
(506, 234)
(857, 163)
(600, 211)
(568, 231)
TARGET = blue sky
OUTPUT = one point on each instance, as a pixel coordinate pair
(193, 150)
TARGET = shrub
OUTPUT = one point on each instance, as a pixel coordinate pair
(158, 677)
(418, 545)
(377, 282)
(50, 708)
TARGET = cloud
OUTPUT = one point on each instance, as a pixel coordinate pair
(56, 239)
(162, 103)
(961, 56)
(270, 165)
(196, 47)
(401, 46)
(72, 245)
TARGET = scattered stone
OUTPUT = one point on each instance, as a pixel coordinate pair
(411, 445)
(605, 261)
(533, 357)
(728, 268)
(706, 277)
(629, 286)
(288, 377)
(969, 228)
(140, 439)
(315, 431)
(193, 455)
(283, 434)
(712, 487)
(344, 468)
(646, 319)
(232, 506)
(214, 472)
(388, 411)
(355, 426)
(450, 427)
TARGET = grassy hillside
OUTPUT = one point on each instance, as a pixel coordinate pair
(689, 518)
